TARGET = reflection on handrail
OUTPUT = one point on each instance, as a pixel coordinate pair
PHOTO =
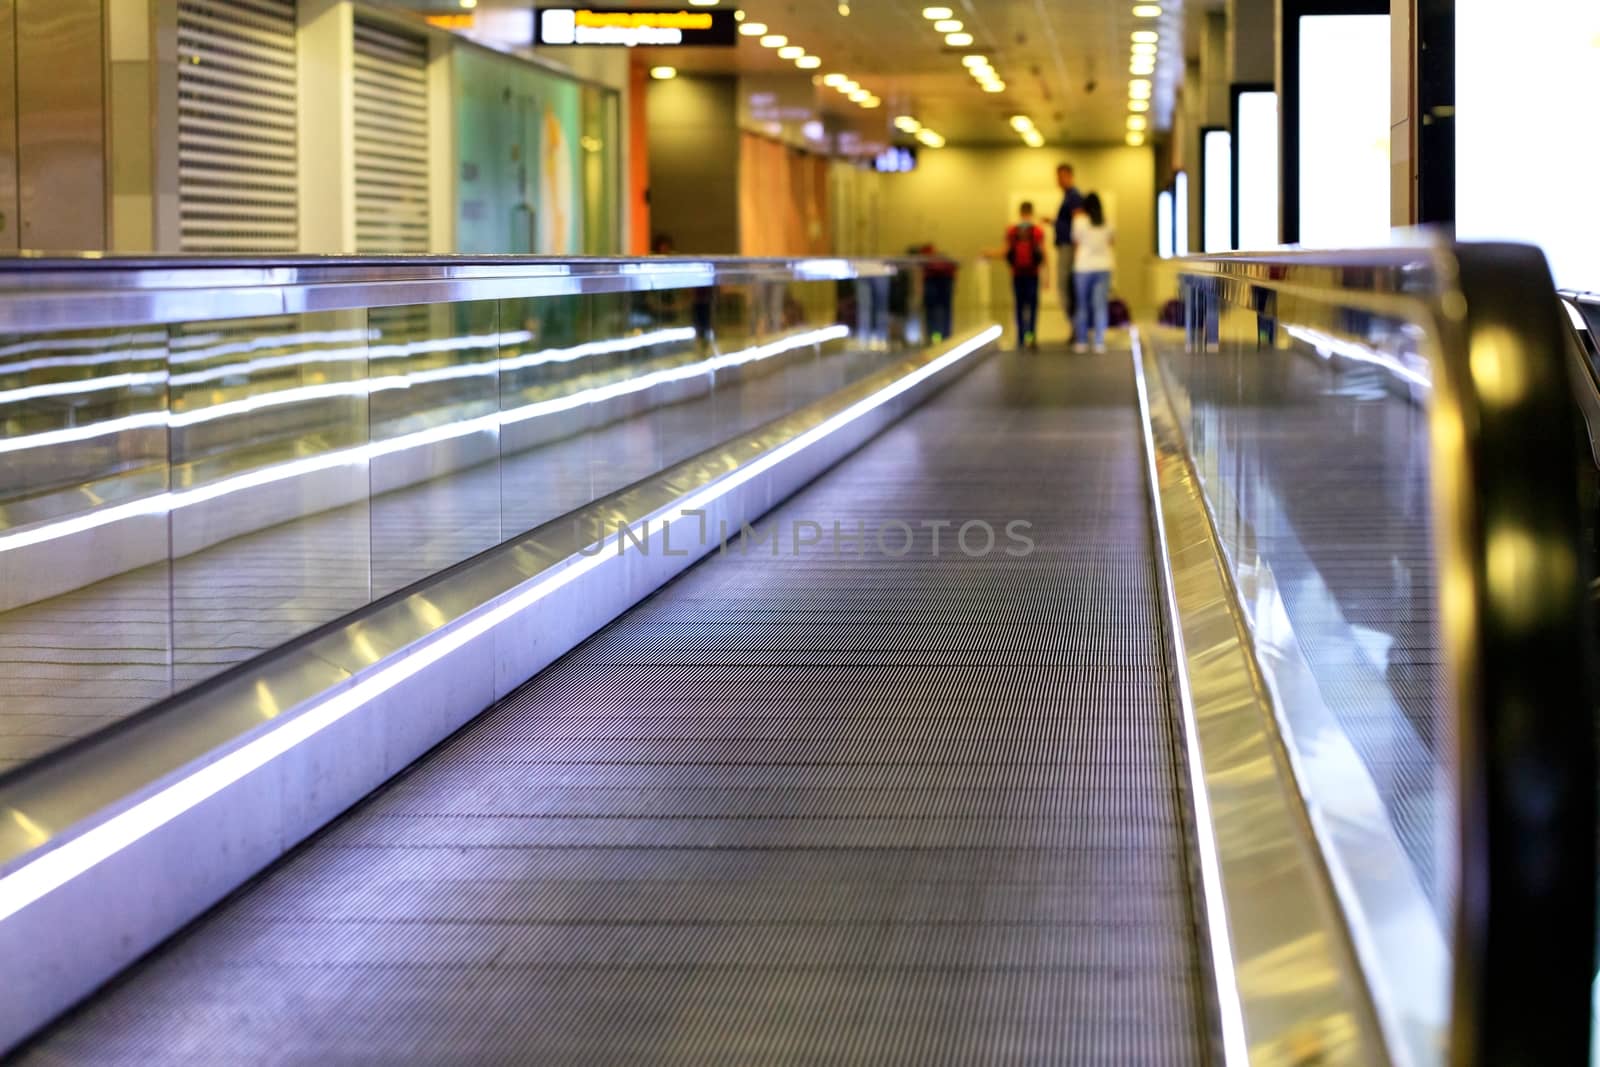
(172, 500)
(326, 391)
(1326, 344)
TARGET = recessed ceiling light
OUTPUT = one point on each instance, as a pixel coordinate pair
(833, 81)
(1141, 49)
(1145, 36)
(974, 61)
(870, 102)
(1033, 139)
(1021, 123)
(1137, 122)
(847, 86)
(774, 40)
(933, 13)
(1142, 66)
(1135, 139)
(958, 40)
(1138, 105)
(808, 62)
(1139, 89)
(1146, 11)
(738, 16)
(929, 138)
(949, 26)
(702, 3)
(791, 51)
(994, 87)
(662, 74)
(906, 124)
(752, 29)
(858, 95)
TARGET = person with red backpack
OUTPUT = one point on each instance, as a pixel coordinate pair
(1025, 254)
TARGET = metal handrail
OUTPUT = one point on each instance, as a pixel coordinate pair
(87, 292)
(1515, 616)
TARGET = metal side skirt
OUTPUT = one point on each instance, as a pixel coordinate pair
(1289, 988)
(111, 847)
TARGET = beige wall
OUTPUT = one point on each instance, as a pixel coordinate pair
(962, 199)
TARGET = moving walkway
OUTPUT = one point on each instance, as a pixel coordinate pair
(849, 697)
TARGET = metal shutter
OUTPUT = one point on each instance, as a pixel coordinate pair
(391, 101)
(237, 129)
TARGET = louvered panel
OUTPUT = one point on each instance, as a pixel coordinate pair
(391, 143)
(238, 157)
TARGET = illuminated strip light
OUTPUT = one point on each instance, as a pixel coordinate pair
(1235, 1042)
(190, 353)
(296, 359)
(599, 348)
(125, 355)
(331, 390)
(1328, 346)
(56, 344)
(198, 348)
(60, 865)
(673, 374)
(92, 385)
(172, 501)
(70, 434)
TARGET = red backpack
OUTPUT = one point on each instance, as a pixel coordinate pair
(1024, 248)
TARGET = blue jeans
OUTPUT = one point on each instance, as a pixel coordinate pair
(1093, 290)
(1025, 288)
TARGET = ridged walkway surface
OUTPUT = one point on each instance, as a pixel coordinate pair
(823, 808)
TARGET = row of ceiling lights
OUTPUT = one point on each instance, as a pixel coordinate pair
(1141, 65)
(956, 36)
(847, 86)
(907, 124)
(1030, 133)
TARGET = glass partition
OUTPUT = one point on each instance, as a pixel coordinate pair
(1312, 446)
(1401, 568)
(176, 499)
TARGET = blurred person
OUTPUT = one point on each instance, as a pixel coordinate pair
(1071, 204)
(700, 300)
(1025, 255)
(1092, 239)
(938, 292)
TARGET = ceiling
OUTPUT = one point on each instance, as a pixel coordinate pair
(1064, 62)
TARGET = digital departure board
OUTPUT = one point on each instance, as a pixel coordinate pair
(637, 27)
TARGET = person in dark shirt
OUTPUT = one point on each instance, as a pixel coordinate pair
(1071, 204)
(1025, 255)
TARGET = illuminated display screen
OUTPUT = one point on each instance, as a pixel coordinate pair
(1344, 130)
(1527, 81)
(1216, 191)
(1164, 223)
(1257, 150)
(895, 160)
(1180, 213)
(637, 27)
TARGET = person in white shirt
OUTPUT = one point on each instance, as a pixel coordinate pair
(1091, 271)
